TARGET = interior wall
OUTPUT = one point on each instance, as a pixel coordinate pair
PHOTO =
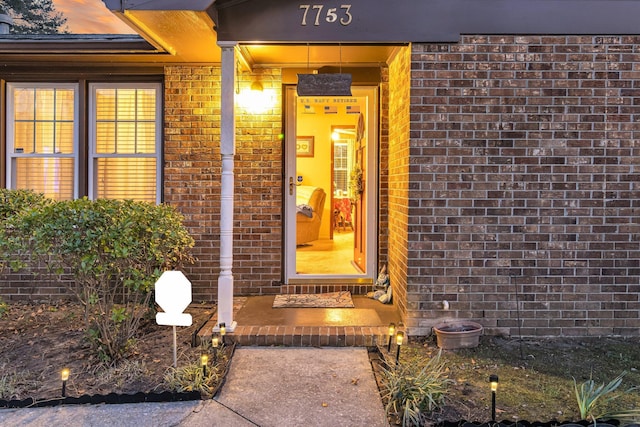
(317, 122)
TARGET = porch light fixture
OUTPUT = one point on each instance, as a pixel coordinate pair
(256, 99)
(392, 331)
(64, 375)
(399, 341)
(204, 360)
(493, 380)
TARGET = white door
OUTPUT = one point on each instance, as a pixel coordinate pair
(331, 156)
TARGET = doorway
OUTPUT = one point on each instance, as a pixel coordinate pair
(330, 201)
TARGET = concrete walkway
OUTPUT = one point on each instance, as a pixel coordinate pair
(266, 387)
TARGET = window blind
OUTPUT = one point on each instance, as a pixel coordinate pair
(126, 141)
(42, 138)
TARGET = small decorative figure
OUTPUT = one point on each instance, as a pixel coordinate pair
(383, 287)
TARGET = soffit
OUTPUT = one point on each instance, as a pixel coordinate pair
(190, 36)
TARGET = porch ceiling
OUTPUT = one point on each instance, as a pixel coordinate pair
(190, 36)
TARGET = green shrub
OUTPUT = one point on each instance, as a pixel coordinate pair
(592, 400)
(115, 250)
(14, 204)
(412, 388)
(192, 378)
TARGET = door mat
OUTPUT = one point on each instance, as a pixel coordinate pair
(340, 299)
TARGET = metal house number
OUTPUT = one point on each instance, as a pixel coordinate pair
(332, 14)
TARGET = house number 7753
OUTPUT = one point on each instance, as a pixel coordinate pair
(332, 14)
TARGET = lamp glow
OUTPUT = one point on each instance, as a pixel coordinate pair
(392, 331)
(493, 379)
(256, 99)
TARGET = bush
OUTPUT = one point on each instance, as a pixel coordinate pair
(115, 250)
(13, 204)
(592, 399)
(411, 389)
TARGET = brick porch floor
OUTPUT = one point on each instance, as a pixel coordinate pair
(365, 325)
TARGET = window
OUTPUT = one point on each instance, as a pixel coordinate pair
(42, 136)
(125, 141)
(340, 170)
(123, 146)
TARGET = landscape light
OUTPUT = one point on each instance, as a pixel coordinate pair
(64, 375)
(493, 380)
(223, 331)
(215, 342)
(399, 341)
(392, 331)
(204, 359)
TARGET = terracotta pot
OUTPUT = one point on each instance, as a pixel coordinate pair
(458, 334)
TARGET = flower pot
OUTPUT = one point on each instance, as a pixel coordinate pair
(458, 334)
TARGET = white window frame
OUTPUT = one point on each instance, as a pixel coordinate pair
(92, 153)
(10, 136)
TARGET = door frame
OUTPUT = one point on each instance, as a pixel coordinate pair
(289, 191)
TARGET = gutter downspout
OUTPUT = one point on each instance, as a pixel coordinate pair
(228, 151)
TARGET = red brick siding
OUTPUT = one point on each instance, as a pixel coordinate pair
(192, 179)
(523, 183)
(398, 176)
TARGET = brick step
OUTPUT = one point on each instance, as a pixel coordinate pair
(302, 336)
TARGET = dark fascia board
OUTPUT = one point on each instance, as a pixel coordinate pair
(75, 43)
(369, 21)
(37, 71)
(122, 5)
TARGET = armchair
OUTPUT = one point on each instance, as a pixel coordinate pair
(310, 206)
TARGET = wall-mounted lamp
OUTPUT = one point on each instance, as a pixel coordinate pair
(392, 331)
(256, 99)
(399, 341)
(64, 375)
(493, 380)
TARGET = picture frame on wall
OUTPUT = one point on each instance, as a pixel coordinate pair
(304, 146)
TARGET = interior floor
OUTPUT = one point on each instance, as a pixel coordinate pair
(326, 256)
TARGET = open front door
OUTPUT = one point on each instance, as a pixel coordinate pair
(330, 204)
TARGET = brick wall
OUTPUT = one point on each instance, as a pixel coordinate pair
(398, 154)
(524, 184)
(192, 179)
